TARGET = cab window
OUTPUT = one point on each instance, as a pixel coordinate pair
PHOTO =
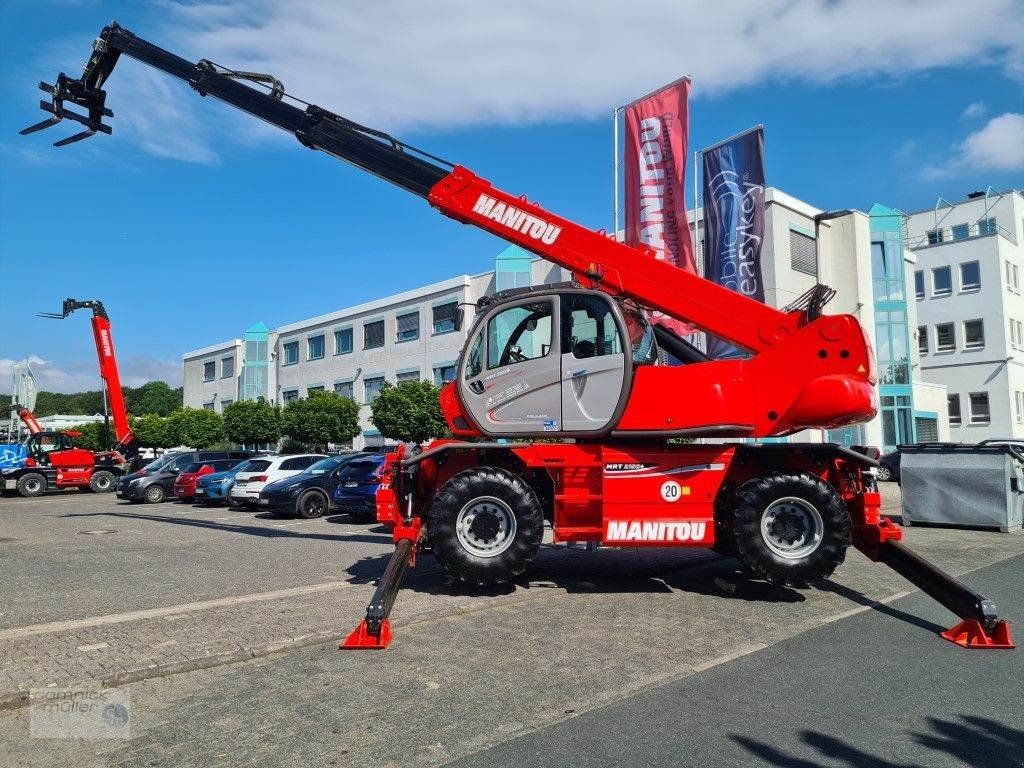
(519, 334)
(475, 357)
(589, 328)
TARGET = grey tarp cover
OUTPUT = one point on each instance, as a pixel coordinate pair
(962, 484)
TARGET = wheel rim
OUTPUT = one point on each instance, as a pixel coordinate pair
(884, 473)
(154, 494)
(102, 482)
(32, 485)
(313, 506)
(486, 526)
(792, 528)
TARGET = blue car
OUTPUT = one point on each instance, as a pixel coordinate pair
(213, 489)
(357, 487)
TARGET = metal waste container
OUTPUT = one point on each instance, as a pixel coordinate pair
(979, 485)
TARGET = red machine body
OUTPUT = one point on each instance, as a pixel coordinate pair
(53, 462)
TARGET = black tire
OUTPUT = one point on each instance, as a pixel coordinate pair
(236, 504)
(883, 474)
(154, 494)
(31, 484)
(498, 497)
(102, 481)
(311, 505)
(802, 508)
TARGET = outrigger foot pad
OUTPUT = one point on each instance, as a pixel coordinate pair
(969, 633)
(363, 636)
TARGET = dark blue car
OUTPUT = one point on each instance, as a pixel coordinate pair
(308, 494)
(357, 486)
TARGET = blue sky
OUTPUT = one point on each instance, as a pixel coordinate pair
(191, 223)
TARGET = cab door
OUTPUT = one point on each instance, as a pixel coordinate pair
(593, 362)
(512, 372)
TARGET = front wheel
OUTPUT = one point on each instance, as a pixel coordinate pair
(101, 481)
(485, 525)
(883, 473)
(311, 506)
(790, 528)
(155, 494)
(31, 484)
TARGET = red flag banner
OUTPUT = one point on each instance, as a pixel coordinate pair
(655, 173)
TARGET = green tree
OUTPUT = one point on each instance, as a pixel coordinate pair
(320, 419)
(154, 397)
(410, 412)
(195, 427)
(252, 422)
(92, 437)
(151, 431)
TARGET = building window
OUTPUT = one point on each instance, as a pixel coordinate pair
(208, 406)
(343, 341)
(803, 253)
(443, 374)
(372, 388)
(289, 396)
(927, 429)
(1012, 276)
(891, 340)
(315, 347)
(942, 281)
(446, 317)
(344, 389)
(922, 339)
(961, 231)
(970, 276)
(887, 271)
(974, 334)
(290, 351)
(945, 341)
(227, 367)
(979, 408)
(953, 403)
(315, 388)
(408, 376)
(1020, 333)
(408, 327)
(919, 284)
(373, 335)
(210, 370)
(225, 402)
(1018, 401)
(934, 236)
(987, 226)
(1013, 333)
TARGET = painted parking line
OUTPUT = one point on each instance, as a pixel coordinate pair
(152, 613)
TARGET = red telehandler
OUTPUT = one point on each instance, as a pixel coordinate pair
(579, 362)
(53, 462)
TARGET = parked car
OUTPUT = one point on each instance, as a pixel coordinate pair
(889, 467)
(185, 485)
(308, 494)
(155, 482)
(213, 489)
(259, 472)
(357, 487)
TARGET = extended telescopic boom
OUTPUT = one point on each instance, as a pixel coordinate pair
(457, 192)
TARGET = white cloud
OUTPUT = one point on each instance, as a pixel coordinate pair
(402, 64)
(998, 146)
(974, 109)
(82, 376)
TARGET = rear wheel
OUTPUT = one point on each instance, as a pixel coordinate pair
(883, 473)
(236, 503)
(485, 525)
(312, 504)
(154, 494)
(32, 484)
(790, 528)
(102, 481)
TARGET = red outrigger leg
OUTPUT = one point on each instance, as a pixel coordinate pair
(375, 630)
(980, 625)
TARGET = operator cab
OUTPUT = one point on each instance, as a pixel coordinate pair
(552, 362)
(41, 444)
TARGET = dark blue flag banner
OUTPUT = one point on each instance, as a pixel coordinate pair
(734, 219)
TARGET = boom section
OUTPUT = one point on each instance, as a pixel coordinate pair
(457, 192)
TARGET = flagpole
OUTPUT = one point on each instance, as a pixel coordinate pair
(615, 165)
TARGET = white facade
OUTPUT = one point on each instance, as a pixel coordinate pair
(969, 286)
(410, 335)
